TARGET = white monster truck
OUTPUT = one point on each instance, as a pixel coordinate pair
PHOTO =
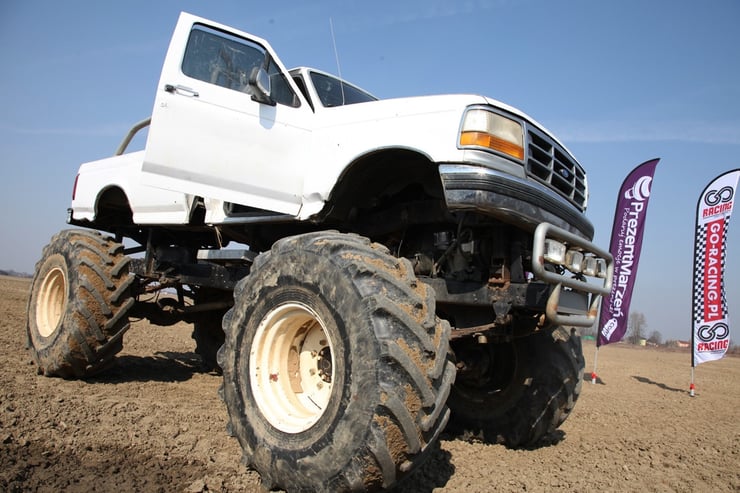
(393, 264)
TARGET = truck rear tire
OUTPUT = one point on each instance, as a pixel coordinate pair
(519, 391)
(209, 337)
(208, 332)
(336, 369)
(79, 304)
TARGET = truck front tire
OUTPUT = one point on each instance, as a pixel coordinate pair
(79, 304)
(336, 369)
(517, 392)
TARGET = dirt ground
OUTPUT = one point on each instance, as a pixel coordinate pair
(155, 424)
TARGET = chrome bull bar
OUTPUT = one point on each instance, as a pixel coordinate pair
(563, 283)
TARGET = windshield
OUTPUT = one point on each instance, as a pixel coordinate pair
(335, 92)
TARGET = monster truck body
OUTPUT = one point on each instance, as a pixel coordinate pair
(441, 234)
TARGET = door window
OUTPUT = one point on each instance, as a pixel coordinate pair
(227, 61)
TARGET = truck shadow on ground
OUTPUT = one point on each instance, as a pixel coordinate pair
(161, 367)
(657, 384)
(432, 474)
(438, 469)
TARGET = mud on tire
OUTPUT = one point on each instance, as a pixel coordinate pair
(79, 304)
(336, 369)
(522, 390)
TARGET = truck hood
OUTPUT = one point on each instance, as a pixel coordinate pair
(398, 107)
(415, 106)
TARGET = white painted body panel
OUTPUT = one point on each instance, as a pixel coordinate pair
(150, 205)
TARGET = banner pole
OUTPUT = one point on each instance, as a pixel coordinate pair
(593, 373)
(693, 319)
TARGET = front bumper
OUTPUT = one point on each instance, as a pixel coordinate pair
(512, 199)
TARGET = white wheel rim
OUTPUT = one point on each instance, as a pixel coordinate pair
(51, 300)
(290, 367)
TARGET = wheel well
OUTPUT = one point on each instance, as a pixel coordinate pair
(385, 183)
(112, 208)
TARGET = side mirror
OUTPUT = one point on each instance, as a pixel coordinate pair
(259, 81)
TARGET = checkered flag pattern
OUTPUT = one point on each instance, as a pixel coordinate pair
(699, 259)
(699, 266)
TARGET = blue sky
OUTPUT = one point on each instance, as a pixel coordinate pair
(619, 82)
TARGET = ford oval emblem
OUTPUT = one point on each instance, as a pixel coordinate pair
(564, 173)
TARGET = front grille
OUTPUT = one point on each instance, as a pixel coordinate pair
(549, 163)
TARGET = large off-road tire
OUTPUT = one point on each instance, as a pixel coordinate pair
(79, 304)
(336, 369)
(517, 392)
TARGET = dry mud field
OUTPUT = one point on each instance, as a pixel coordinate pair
(155, 423)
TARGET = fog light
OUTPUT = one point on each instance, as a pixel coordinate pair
(601, 268)
(574, 260)
(554, 251)
(590, 266)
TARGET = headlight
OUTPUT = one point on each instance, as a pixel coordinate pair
(482, 128)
